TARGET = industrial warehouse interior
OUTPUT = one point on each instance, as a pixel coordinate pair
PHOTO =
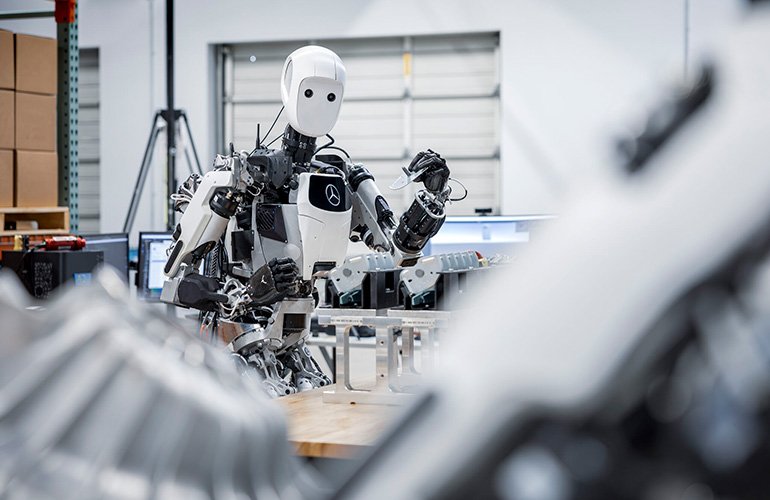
(364, 249)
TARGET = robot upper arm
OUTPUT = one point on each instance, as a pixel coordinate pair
(204, 220)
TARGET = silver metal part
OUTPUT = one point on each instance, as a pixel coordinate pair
(349, 275)
(290, 322)
(424, 274)
(169, 292)
(392, 386)
(270, 368)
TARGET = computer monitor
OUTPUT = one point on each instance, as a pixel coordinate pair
(489, 235)
(152, 260)
(115, 248)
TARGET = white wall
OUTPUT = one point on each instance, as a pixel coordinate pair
(571, 72)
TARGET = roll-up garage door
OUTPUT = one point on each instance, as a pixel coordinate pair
(88, 141)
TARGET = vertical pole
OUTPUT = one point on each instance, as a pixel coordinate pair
(68, 60)
(170, 117)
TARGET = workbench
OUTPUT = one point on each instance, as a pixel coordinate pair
(334, 430)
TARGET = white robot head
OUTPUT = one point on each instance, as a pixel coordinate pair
(311, 89)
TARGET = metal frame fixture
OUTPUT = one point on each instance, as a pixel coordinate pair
(68, 62)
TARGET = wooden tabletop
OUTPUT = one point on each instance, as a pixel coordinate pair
(334, 430)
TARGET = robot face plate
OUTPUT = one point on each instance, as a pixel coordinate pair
(312, 89)
(317, 114)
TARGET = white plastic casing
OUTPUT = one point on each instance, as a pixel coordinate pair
(320, 71)
(324, 234)
(199, 224)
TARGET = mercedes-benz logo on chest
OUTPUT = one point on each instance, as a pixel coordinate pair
(333, 195)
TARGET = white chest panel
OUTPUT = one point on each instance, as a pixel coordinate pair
(324, 210)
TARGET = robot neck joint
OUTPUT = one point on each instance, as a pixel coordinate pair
(299, 146)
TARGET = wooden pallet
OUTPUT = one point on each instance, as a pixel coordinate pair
(50, 220)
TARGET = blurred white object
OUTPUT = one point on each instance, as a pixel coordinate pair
(100, 397)
(590, 307)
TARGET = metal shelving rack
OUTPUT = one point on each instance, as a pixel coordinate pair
(68, 58)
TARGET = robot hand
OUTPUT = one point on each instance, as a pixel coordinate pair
(431, 169)
(274, 281)
(424, 217)
(200, 292)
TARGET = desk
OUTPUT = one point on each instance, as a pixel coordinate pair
(318, 429)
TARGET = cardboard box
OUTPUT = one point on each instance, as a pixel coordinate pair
(6, 179)
(37, 179)
(7, 115)
(35, 64)
(7, 64)
(35, 122)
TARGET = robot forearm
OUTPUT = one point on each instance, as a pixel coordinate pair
(373, 219)
(204, 220)
(419, 223)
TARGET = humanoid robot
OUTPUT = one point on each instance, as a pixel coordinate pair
(267, 222)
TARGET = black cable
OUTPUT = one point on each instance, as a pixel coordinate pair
(271, 142)
(334, 147)
(464, 188)
(331, 141)
(271, 128)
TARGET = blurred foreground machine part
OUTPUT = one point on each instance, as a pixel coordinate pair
(102, 398)
(639, 366)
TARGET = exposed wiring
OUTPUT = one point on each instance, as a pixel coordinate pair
(183, 195)
(271, 142)
(334, 147)
(270, 130)
(465, 195)
(331, 141)
(329, 145)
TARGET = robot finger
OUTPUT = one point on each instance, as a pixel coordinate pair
(289, 269)
(278, 261)
(414, 166)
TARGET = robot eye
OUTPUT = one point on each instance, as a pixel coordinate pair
(331, 97)
(308, 93)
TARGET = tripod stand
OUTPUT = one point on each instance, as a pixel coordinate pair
(171, 116)
(179, 117)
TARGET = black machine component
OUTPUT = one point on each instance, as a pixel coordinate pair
(664, 122)
(243, 218)
(41, 272)
(276, 166)
(299, 147)
(224, 204)
(419, 223)
(200, 292)
(270, 222)
(450, 288)
(357, 175)
(379, 290)
(243, 244)
(115, 248)
(333, 160)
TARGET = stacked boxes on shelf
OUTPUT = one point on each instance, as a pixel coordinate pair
(35, 159)
(28, 159)
(28, 121)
